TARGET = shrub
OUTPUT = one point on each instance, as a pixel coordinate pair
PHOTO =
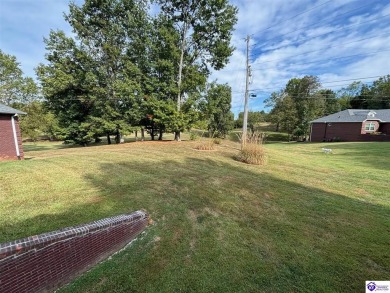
(253, 153)
(217, 141)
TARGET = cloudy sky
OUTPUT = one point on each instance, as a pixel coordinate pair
(339, 41)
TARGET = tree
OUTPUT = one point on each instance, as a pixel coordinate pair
(345, 95)
(94, 81)
(204, 28)
(302, 91)
(362, 96)
(331, 103)
(217, 106)
(284, 113)
(307, 99)
(289, 117)
(380, 93)
(38, 122)
(254, 118)
(68, 84)
(14, 88)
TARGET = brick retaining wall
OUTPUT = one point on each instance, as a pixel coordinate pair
(44, 262)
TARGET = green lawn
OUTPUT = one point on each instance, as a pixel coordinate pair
(305, 222)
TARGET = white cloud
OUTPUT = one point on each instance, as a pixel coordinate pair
(330, 34)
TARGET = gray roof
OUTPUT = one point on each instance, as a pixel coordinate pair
(356, 115)
(8, 110)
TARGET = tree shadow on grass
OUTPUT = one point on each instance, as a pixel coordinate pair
(220, 227)
(42, 147)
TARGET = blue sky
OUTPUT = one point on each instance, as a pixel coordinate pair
(338, 40)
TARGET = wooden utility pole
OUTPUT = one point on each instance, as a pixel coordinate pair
(245, 122)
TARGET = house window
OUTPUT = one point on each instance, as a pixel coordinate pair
(370, 126)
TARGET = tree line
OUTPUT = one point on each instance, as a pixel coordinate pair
(124, 70)
(303, 100)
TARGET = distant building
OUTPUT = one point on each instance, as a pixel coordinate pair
(10, 138)
(352, 125)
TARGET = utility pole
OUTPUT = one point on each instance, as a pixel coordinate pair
(248, 73)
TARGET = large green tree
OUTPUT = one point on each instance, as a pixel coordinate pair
(303, 92)
(38, 123)
(94, 81)
(217, 106)
(204, 28)
(301, 101)
(283, 113)
(346, 94)
(14, 87)
(374, 96)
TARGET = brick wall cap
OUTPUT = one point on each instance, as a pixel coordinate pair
(36, 241)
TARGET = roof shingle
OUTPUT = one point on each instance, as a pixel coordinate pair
(8, 110)
(356, 115)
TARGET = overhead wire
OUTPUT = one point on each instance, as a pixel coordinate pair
(317, 61)
(317, 22)
(308, 10)
(272, 89)
(325, 48)
(323, 34)
(338, 45)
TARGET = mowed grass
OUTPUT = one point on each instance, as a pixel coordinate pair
(305, 222)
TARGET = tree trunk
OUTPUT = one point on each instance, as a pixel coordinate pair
(117, 136)
(177, 136)
(108, 139)
(97, 139)
(136, 135)
(160, 137)
(152, 133)
(142, 134)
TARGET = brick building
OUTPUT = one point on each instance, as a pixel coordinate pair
(10, 138)
(352, 125)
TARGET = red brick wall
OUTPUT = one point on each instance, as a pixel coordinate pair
(45, 262)
(7, 143)
(346, 132)
(384, 128)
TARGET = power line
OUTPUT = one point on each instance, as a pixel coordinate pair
(323, 3)
(317, 61)
(329, 82)
(353, 79)
(271, 90)
(323, 34)
(338, 45)
(331, 59)
(317, 22)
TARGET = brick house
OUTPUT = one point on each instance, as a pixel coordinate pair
(352, 125)
(10, 138)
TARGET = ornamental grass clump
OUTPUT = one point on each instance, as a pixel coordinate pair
(253, 154)
(253, 151)
(206, 145)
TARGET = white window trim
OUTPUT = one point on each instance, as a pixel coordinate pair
(367, 126)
